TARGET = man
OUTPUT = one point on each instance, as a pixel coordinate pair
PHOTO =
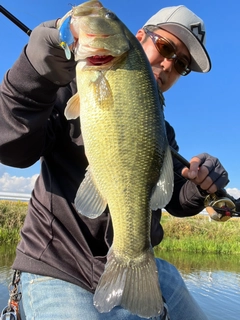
(62, 255)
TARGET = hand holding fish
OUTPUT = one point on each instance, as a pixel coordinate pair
(47, 56)
(207, 172)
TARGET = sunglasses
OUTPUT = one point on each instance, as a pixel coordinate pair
(167, 50)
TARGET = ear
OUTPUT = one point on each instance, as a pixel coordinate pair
(140, 35)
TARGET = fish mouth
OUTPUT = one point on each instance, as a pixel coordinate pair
(99, 60)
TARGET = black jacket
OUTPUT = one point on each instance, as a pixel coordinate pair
(55, 241)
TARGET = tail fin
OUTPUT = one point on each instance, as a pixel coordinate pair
(131, 284)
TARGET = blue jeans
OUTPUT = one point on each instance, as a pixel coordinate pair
(46, 298)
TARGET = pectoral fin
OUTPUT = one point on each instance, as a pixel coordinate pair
(162, 192)
(72, 110)
(89, 201)
(103, 92)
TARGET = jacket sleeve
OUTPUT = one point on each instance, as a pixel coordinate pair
(186, 199)
(26, 103)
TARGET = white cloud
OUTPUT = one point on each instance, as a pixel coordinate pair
(234, 192)
(20, 184)
(17, 184)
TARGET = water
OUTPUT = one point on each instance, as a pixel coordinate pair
(213, 280)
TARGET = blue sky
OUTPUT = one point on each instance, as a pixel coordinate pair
(203, 108)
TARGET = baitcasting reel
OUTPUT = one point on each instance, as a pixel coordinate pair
(220, 207)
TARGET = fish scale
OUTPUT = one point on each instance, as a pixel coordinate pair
(130, 165)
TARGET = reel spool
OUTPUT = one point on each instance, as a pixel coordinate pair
(219, 209)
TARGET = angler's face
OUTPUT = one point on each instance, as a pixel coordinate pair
(163, 68)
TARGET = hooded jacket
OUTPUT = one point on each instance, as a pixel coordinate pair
(55, 240)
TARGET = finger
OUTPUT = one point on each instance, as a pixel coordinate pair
(195, 173)
(193, 169)
(202, 174)
(191, 172)
(49, 24)
(195, 163)
(221, 179)
(207, 185)
(215, 169)
(212, 189)
(48, 32)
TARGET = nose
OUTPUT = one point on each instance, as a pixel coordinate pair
(167, 64)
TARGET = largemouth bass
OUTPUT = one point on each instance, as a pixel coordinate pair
(130, 164)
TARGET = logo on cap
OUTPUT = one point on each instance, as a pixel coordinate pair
(196, 29)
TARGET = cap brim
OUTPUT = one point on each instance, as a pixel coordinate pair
(200, 61)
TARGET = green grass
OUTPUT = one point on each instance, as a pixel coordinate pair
(12, 215)
(198, 234)
(194, 234)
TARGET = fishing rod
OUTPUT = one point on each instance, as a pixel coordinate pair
(15, 20)
(220, 203)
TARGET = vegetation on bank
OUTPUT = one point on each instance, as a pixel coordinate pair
(12, 215)
(193, 234)
(200, 234)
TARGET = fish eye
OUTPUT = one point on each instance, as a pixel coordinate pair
(110, 15)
